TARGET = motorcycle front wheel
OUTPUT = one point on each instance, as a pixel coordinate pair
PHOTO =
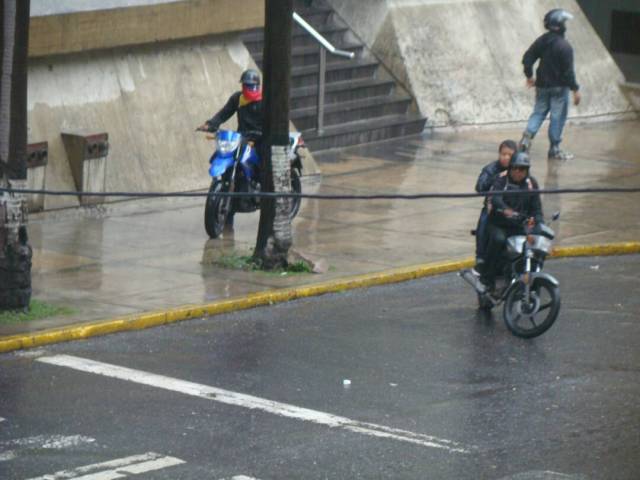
(531, 317)
(216, 210)
(296, 187)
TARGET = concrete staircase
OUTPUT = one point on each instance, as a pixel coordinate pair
(363, 102)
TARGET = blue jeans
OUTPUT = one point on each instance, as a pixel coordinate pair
(554, 100)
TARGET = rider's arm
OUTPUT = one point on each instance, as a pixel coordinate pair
(536, 203)
(485, 180)
(498, 204)
(230, 108)
(567, 68)
(530, 57)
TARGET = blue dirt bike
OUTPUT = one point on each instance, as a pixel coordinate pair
(235, 167)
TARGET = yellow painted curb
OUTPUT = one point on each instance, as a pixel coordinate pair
(627, 248)
(152, 319)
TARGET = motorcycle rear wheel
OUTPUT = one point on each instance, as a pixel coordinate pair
(528, 319)
(216, 210)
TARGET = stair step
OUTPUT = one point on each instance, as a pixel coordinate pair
(341, 92)
(359, 107)
(310, 55)
(364, 131)
(254, 39)
(315, 16)
(345, 112)
(336, 72)
(303, 9)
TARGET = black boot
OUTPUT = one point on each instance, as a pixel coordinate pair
(525, 142)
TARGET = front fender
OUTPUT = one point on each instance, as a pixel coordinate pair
(533, 276)
(220, 164)
(546, 276)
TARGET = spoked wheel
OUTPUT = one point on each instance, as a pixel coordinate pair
(296, 187)
(528, 318)
(216, 210)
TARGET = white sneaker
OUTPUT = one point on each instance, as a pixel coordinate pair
(557, 154)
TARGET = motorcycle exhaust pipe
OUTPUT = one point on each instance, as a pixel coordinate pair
(473, 280)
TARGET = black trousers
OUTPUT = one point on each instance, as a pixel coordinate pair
(497, 240)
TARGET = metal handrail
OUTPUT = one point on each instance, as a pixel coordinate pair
(324, 46)
(323, 41)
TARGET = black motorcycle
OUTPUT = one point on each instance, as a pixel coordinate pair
(531, 297)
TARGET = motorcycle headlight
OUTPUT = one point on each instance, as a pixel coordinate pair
(228, 146)
(541, 244)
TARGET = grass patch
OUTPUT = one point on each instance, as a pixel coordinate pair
(236, 261)
(37, 310)
(299, 267)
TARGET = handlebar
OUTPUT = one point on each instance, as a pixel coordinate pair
(516, 216)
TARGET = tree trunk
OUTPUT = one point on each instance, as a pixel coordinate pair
(15, 252)
(274, 232)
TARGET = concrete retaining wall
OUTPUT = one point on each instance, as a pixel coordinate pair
(69, 26)
(149, 99)
(462, 58)
(632, 90)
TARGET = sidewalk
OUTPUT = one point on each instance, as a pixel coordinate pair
(147, 255)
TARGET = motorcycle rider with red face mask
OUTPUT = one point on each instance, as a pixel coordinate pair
(247, 104)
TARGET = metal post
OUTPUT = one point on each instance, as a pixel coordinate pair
(321, 86)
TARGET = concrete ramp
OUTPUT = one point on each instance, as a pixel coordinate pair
(462, 58)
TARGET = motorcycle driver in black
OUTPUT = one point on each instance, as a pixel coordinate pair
(509, 211)
(247, 103)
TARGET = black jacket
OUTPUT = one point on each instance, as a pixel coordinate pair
(249, 116)
(525, 203)
(488, 176)
(556, 67)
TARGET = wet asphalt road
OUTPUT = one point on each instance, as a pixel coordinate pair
(419, 359)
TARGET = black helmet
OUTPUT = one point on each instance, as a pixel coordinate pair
(520, 159)
(250, 77)
(555, 19)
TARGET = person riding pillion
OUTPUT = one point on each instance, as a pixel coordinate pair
(247, 104)
(555, 77)
(485, 181)
(509, 211)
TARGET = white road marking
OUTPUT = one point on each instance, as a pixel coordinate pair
(7, 455)
(544, 475)
(114, 469)
(2, 419)
(31, 353)
(49, 441)
(55, 442)
(250, 402)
